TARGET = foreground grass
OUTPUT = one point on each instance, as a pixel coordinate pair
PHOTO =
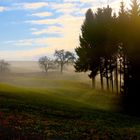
(62, 108)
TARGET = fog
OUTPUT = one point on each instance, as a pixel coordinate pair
(24, 67)
(29, 74)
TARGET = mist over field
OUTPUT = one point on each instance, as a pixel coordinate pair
(24, 67)
(28, 73)
(33, 67)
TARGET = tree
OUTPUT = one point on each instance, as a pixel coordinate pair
(123, 22)
(63, 57)
(46, 63)
(88, 59)
(4, 66)
(106, 44)
(135, 10)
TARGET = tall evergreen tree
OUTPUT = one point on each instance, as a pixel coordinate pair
(135, 10)
(123, 26)
(87, 53)
(106, 44)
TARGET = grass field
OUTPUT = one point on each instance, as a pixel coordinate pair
(58, 107)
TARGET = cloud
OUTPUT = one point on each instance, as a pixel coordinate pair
(35, 5)
(81, 1)
(42, 14)
(2, 9)
(94, 4)
(70, 30)
(50, 45)
(28, 42)
(42, 21)
(65, 8)
(33, 53)
(49, 30)
(29, 6)
(23, 55)
(64, 19)
(33, 29)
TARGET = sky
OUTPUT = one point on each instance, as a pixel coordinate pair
(30, 29)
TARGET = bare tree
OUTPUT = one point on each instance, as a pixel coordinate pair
(63, 57)
(4, 66)
(46, 63)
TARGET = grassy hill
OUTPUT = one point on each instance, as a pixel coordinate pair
(54, 106)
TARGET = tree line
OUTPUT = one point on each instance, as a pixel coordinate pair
(110, 47)
(61, 58)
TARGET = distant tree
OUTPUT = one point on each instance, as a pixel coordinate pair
(46, 63)
(4, 66)
(63, 57)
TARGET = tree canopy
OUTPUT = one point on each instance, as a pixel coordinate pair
(63, 57)
(46, 63)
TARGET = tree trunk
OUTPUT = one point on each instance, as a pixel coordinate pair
(107, 79)
(93, 82)
(46, 69)
(102, 83)
(61, 70)
(124, 74)
(111, 80)
(116, 78)
(120, 75)
(101, 78)
(111, 75)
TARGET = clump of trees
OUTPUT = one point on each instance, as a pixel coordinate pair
(110, 47)
(4, 66)
(98, 48)
(46, 63)
(62, 58)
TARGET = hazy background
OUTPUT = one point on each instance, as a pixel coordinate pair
(24, 66)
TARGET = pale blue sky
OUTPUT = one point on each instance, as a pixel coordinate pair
(32, 28)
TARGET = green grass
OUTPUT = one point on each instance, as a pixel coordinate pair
(62, 107)
(67, 94)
